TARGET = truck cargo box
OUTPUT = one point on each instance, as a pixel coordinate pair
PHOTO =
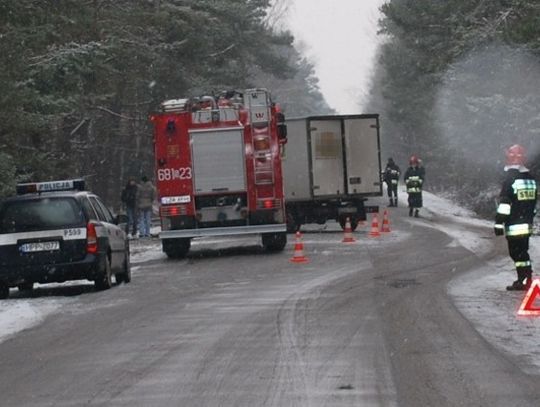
(331, 166)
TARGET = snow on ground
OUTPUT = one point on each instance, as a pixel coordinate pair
(19, 314)
(481, 295)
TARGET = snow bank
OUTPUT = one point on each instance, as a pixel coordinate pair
(18, 314)
(481, 295)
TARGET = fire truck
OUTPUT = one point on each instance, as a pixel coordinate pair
(218, 169)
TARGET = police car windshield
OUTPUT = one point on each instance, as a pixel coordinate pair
(39, 214)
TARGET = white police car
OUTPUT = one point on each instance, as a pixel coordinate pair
(56, 231)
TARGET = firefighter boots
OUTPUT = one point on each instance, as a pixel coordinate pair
(517, 286)
(416, 213)
(410, 211)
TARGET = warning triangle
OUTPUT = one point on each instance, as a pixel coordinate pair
(527, 306)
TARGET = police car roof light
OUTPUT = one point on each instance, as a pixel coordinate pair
(51, 186)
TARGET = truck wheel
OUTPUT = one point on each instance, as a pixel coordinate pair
(274, 242)
(4, 291)
(26, 287)
(176, 248)
(104, 280)
(293, 225)
(343, 221)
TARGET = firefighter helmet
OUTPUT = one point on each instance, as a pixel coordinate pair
(413, 160)
(515, 155)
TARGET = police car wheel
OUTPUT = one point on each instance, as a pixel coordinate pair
(4, 291)
(104, 281)
(26, 287)
(125, 275)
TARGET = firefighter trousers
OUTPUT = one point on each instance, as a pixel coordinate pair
(392, 191)
(518, 248)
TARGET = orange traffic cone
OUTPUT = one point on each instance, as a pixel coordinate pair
(347, 235)
(375, 226)
(385, 223)
(298, 256)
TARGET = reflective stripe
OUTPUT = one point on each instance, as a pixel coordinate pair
(394, 181)
(504, 209)
(524, 184)
(499, 226)
(414, 189)
(61, 234)
(522, 264)
(413, 178)
(519, 230)
(525, 189)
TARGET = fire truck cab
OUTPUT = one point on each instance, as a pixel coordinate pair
(218, 169)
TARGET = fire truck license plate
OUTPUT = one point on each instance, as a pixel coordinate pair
(40, 247)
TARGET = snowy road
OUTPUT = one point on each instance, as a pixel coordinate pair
(415, 318)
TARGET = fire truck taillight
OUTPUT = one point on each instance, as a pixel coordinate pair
(268, 203)
(173, 210)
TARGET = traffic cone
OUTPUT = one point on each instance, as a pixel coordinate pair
(385, 223)
(375, 226)
(347, 235)
(298, 256)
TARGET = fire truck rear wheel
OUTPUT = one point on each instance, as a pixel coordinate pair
(274, 242)
(4, 291)
(176, 248)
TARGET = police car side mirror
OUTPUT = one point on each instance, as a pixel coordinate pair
(120, 219)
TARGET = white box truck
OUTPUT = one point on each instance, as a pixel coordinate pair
(331, 165)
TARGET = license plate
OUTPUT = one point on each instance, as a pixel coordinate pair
(40, 247)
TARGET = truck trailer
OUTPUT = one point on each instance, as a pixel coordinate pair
(331, 166)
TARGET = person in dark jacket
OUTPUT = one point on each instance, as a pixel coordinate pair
(145, 200)
(414, 181)
(515, 213)
(391, 177)
(129, 200)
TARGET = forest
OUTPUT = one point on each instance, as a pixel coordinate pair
(456, 83)
(79, 79)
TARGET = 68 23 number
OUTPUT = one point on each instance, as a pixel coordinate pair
(170, 174)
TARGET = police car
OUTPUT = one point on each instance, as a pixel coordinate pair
(57, 231)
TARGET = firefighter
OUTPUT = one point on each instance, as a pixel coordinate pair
(414, 180)
(391, 177)
(515, 214)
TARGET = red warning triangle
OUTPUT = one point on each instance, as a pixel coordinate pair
(527, 306)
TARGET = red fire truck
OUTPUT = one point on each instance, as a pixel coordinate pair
(218, 169)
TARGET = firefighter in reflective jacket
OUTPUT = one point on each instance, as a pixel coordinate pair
(414, 180)
(391, 177)
(515, 214)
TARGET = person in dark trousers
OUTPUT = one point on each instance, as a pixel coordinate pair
(145, 200)
(129, 200)
(414, 181)
(391, 177)
(515, 213)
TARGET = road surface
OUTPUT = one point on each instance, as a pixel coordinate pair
(368, 324)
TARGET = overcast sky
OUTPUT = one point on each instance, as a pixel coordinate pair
(341, 40)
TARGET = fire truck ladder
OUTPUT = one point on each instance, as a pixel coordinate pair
(258, 103)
